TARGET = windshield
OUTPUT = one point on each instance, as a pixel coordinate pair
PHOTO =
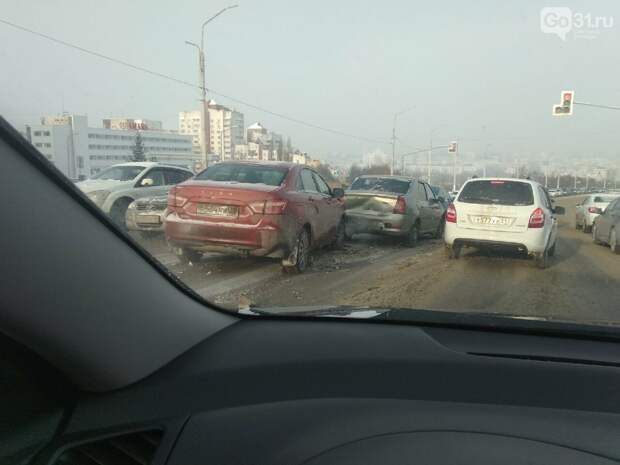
(119, 173)
(446, 156)
(381, 184)
(249, 174)
(497, 192)
(605, 198)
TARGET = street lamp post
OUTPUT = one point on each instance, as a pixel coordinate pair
(430, 154)
(203, 83)
(396, 115)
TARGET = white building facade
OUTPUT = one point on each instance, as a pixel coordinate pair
(80, 151)
(225, 130)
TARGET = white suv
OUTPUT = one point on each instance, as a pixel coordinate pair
(503, 213)
(114, 188)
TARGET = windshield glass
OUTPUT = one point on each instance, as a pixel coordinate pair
(604, 198)
(447, 156)
(120, 173)
(497, 192)
(381, 184)
(249, 174)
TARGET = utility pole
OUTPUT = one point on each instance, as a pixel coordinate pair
(558, 183)
(575, 186)
(204, 127)
(393, 146)
(396, 115)
(456, 152)
(430, 160)
(430, 155)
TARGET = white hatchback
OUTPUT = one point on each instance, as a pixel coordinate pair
(503, 213)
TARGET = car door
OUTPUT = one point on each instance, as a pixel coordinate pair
(606, 219)
(312, 201)
(156, 187)
(330, 208)
(547, 205)
(615, 217)
(435, 207)
(425, 214)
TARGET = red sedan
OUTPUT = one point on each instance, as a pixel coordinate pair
(271, 209)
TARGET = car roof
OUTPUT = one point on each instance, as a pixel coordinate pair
(286, 164)
(387, 176)
(527, 181)
(148, 164)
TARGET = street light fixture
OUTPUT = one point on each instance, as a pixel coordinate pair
(203, 83)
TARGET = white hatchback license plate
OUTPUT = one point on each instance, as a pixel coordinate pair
(492, 220)
(210, 209)
(148, 219)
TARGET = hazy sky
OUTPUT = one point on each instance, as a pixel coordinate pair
(482, 70)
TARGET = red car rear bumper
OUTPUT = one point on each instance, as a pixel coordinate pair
(273, 234)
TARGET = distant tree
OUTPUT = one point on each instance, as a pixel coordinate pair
(138, 150)
(324, 171)
(377, 169)
(354, 172)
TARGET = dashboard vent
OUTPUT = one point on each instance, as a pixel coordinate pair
(126, 449)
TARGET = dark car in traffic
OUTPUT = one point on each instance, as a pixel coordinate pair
(606, 228)
(274, 209)
(443, 195)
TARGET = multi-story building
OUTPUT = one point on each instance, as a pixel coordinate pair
(190, 123)
(225, 129)
(301, 158)
(82, 151)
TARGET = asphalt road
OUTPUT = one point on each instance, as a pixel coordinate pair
(582, 282)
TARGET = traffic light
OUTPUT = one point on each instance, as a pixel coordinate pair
(452, 147)
(566, 107)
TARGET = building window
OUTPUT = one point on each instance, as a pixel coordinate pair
(47, 144)
(46, 133)
(38, 144)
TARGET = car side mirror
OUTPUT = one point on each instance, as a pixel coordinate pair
(337, 193)
(559, 210)
(146, 182)
(442, 199)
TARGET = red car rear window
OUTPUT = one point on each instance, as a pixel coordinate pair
(248, 174)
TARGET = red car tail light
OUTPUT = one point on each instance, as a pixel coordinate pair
(594, 210)
(275, 207)
(451, 214)
(401, 206)
(257, 207)
(537, 219)
(268, 207)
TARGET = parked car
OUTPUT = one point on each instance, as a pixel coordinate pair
(271, 209)
(503, 213)
(146, 215)
(606, 227)
(114, 188)
(393, 205)
(590, 208)
(443, 196)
